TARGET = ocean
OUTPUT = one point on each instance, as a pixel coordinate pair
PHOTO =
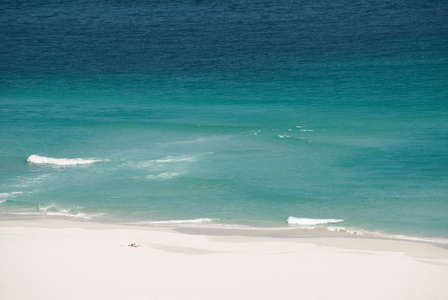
(268, 114)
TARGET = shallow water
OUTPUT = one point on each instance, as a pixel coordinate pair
(227, 113)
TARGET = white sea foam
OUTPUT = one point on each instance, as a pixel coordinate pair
(36, 159)
(164, 162)
(198, 140)
(311, 222)
(28, 181)
(182, 223)
(255, 132)
(166, 175)
(171, 159)
(193, 221)
(55, 210)
(387, 236)
(304, 223)
(6, 196)
(312, 225)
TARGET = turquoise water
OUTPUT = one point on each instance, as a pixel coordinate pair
(242, 113)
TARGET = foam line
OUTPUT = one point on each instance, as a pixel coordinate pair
(36, 159)
(311, 222)
(194, 221)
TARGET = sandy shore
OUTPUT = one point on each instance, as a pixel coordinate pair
(54, 259)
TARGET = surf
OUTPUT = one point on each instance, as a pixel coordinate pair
(311, 222)
(42, 160)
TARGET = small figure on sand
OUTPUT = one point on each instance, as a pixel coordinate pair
(133, 245)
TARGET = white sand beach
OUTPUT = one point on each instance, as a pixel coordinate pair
(58, 259)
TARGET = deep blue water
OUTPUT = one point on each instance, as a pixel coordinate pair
(244, 112)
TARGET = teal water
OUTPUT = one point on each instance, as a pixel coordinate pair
(242, 113)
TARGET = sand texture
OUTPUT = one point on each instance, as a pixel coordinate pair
(53, 259)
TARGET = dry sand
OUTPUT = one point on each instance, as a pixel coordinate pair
(54, 259)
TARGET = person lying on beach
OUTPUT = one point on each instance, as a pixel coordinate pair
(133, 245)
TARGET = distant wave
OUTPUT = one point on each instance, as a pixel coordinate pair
(36, 159)
(311, 222)
(167, 167)
(198, 140)
(166, 175)
(166, 161)
(171, 159)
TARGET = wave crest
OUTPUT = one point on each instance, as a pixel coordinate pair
(311, 222)
(55, 210)
(36, 159)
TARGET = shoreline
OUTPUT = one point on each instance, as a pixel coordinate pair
(52, 258)
(211, 224)
(233, 233)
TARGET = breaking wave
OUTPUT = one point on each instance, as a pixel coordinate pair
(6, 196)
(21, 208)
(36, 159)
(75, 212)
(311, 222)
